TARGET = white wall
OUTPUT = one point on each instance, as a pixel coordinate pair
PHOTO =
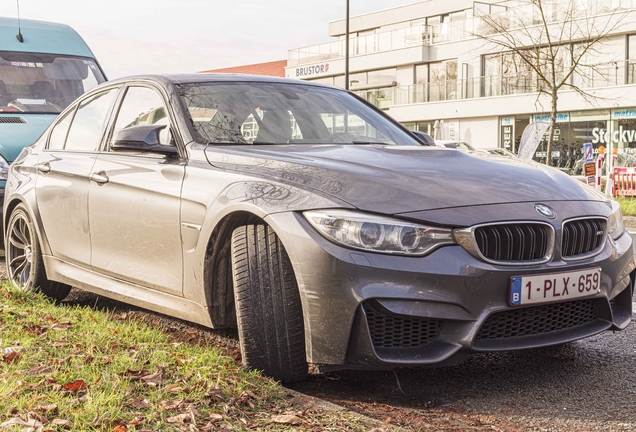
(480, 132)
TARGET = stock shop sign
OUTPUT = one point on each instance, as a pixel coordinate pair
(308, 71)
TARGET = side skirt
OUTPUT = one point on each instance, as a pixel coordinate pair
(88, 280)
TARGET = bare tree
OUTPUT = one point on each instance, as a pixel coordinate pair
(554, 43)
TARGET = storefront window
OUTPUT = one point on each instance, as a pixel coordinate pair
(615, 131)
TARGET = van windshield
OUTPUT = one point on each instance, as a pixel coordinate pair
(44, 83)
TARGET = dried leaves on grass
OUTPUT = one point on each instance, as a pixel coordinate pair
(76, 368)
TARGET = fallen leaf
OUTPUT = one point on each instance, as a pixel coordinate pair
(41, 370)
(180, 418)
(120, 428)
(13, 356)
(215, 417)
(139, 403)
(75, 386)
(172, 388)
(93, 318)
(62, 326)
(60, 423)
(32, 425)
(155, 378)
(35, 416)
(47, 409)
(60, 343)
(287, 419)
(387, 420)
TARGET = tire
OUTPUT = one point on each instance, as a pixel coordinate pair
(24, 257)
(268, 308)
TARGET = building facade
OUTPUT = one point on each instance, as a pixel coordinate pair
(430, 61)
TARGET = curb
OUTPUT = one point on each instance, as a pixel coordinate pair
(303, 402)
(629, 221)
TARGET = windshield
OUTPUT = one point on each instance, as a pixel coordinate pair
(280, 113)
(44, 83)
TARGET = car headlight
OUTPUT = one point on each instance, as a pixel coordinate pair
(4, 168)
(378, 234)
(615, 226)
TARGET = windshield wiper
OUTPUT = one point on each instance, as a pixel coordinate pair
(239, 143)
(368, 142)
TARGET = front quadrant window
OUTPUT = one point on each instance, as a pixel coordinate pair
(143, 106)
(57, 138)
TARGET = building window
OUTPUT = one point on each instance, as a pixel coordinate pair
(443, 80)
(631, 59)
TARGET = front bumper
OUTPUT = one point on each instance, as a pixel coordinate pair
(368, 310)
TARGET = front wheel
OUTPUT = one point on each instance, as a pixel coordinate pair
(268, 308)
(24, 257)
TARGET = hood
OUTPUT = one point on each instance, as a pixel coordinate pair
(15, 136)
(400, 179)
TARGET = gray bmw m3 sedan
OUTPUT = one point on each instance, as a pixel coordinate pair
(314, 223)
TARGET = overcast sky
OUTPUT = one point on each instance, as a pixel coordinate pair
(140, 36)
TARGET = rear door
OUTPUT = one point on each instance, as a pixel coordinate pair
(63, 172)
(135, 200)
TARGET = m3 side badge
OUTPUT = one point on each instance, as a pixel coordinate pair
(544, 210)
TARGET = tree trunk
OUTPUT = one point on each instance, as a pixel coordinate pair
(553, 118)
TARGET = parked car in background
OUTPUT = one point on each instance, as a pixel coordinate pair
(458, 145)
(39, 77)
(312, 221)
(499, 151)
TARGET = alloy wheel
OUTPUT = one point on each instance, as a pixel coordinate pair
(20, 251)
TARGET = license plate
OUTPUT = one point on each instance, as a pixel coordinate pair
(547, 288)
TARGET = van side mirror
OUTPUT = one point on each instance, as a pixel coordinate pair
(143, 139)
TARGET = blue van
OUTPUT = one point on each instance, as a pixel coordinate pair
(39, 77)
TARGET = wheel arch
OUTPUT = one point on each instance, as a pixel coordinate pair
(217, 274)
(35, 217)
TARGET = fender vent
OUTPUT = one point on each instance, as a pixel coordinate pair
(12, 120)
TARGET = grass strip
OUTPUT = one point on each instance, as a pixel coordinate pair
(628, 205)
(76, 368)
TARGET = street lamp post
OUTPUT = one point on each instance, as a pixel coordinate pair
(347, 48)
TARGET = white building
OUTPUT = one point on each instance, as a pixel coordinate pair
(425, 62)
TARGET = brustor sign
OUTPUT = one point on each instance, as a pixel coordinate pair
(306, 71)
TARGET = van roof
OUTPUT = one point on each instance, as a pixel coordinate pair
(42, 37)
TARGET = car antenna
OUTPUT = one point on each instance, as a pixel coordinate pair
(19, 35)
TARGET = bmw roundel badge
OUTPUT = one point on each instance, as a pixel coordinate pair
(544, 210)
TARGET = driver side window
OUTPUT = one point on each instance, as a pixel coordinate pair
(143, 106)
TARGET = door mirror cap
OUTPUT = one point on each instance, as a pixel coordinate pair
(143, 139)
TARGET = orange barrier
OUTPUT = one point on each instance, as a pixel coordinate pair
(625, 181)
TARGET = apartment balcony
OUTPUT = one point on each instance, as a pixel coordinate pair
(416, 36)
(588, 77)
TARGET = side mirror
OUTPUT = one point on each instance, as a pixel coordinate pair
(423, 137)
(142, 139)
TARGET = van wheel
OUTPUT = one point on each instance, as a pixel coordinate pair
(268, 309)
(24, 258)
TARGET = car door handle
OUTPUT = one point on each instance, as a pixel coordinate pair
(44, 167)
(99, 178)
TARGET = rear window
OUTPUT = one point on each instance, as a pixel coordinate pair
(44, 83)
